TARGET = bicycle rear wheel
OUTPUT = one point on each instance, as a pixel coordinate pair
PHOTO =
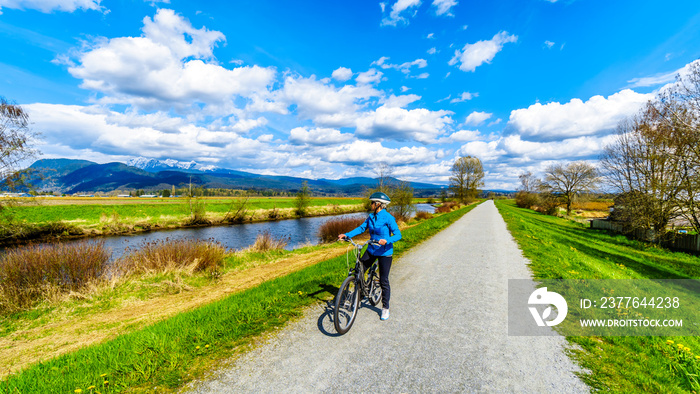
(347, 302)
(375, 289)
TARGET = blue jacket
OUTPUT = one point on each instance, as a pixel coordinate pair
(381, 226)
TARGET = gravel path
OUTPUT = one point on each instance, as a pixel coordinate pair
(448, 330)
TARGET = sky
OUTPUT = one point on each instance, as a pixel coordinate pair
(333, 89)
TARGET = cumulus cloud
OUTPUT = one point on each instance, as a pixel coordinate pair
(444, 7)
(576, 118)
(369, 77)
(419, 124)
(476, 118)
(171, 64)
(325, 104)
(472, 56)
(366, 152)
(342, 74)
(461, 136)
(317, 136)
(97, 131)
(47, 6)
(397, 9)
(465, 96)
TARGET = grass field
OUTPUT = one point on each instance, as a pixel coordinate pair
(168, 353)
(63, 217)
(563, 249)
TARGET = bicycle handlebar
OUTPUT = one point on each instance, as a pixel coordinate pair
(371, 241)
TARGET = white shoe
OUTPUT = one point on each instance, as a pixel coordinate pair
(385, 314)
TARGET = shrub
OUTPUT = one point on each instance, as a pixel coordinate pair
(525, 199)
(422, 215)
(30, 274)
(265, 241)
(196, 255)
(328, 232)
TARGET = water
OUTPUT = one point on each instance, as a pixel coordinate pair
(303, 231)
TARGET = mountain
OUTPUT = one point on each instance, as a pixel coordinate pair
(81, 176)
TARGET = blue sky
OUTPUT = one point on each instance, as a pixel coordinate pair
(330, 89)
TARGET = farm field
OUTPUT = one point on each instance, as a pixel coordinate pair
(564, 249)
(88, 216)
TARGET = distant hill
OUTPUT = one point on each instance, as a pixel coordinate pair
(81, 176)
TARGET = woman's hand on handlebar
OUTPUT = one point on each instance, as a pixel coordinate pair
(382, 242)
(342, 237)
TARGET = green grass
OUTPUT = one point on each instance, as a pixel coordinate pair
(164, 207)
(172, 352)
(562, 249)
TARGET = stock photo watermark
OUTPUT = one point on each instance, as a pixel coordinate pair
(604, 307)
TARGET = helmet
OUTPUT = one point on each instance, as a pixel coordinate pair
(381, 197)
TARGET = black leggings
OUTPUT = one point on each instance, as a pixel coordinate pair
(384, 268)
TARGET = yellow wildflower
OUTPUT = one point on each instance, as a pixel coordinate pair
(670, 342)
(91, 387)
(103, 375)
(207, 346)
(78, 391)
(197, 348)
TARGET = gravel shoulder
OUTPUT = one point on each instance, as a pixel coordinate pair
(448, 330)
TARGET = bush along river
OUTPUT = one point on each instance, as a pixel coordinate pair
(297, 232)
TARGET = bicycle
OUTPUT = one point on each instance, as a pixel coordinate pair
(355, 287)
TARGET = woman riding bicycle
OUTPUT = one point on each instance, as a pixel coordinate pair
(383, 229)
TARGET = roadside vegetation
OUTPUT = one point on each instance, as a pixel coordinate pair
(563, 249)
(58, 218)
(162, 329)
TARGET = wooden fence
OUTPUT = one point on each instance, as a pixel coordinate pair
(681, 242)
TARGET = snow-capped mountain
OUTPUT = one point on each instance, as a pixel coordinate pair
(154, 165)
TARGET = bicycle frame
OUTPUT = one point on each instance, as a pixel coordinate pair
(360, 273)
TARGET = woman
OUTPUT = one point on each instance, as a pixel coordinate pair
(384, 230)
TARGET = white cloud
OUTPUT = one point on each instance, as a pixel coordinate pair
(317, 136)
(432, 51)
(100, 131)
(47, 6)
(400, 7)
(572, 148)
(342, 74)
(473, 55)
(485, 151)
(369, 77)
(419, 124)
(444, 7)
(366, 152)
(171, 64)
(404, 67)
(654, 80)
(401, 101)
(465, 96)
(325, 104)
(549, 44)
(476, 118)
(461, 136)
(576, 118)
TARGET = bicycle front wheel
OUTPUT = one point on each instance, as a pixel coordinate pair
(375, 290)
(347, 302)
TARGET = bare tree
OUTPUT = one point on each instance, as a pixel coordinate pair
(467, 177)
(16, 139)
(384, 179)
(645, 165)
(569, 181)
(402, 201)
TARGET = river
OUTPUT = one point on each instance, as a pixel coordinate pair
(302, 231)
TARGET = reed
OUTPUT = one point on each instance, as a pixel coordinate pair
(266, 241)
(328, 232)
(30, 274)
(173, 254)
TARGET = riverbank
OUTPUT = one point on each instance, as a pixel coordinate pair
(45, 221)
(96, 335)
